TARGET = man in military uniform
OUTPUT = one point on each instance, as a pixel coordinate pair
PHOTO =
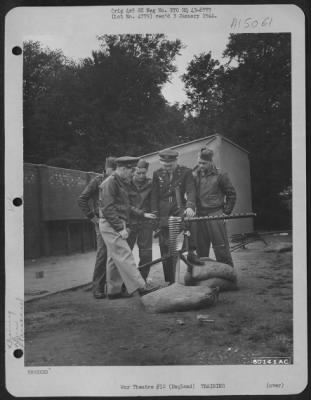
(114, 211)
(91, 195)
(215, 196)
(171, 184)
(142, 233)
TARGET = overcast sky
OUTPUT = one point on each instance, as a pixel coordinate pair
(81, 44)
(74, 30)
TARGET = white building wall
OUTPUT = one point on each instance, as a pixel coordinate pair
(235, 162)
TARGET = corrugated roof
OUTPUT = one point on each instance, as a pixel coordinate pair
(206, 138)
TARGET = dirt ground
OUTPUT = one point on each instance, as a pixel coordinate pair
(72, 328)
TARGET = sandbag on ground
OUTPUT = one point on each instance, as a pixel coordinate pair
(223, 284)
(178, 297)
(213, 269)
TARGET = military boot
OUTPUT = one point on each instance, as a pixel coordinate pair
(194, 258)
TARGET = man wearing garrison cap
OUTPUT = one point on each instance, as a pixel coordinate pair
(215, 196)
(115, 208)
(142, 234)
(173, 194)
(91, 195)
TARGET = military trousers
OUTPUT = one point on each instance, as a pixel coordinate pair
(213, 233)
(121, 265)
(99, 274)
(143, 236)
(169, 266)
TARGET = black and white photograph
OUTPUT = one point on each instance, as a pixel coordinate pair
(157, 221)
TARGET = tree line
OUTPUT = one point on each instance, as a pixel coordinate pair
(76, 113)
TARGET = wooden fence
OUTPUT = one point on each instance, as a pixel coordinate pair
(53, 222)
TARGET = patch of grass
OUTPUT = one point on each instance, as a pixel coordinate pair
(284, 278)
(226, 301)
(282, 348)
(282, 344)
(227, 343)
(283, 338)
(263, 333)
(261, 291)
(285, 328)
(235, 330)
(277, 310)
(278, 293)
(275, 285)
(221, 315)
(254, 337)
(276, 344)
(154, 360)
(219, 328)
(287, 306)
(208, 339)
(263, 277)
(268, 335)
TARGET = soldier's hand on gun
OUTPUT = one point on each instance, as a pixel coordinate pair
(150, 216)
(189, 213)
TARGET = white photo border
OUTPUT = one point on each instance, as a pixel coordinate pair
(107, 381)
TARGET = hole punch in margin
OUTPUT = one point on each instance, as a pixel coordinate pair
(17, 50)
(18, 353)
(17, 201)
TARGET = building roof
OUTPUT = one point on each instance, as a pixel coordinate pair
(65, 169)
(209, 139)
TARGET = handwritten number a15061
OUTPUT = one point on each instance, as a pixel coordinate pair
(250, 23)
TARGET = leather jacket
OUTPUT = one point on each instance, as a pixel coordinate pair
(90, 195)
(218, 192)
(114, 201)
(140, 198)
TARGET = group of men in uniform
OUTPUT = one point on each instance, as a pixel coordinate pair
(125, 200)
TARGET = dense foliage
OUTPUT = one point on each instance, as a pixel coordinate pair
(248, 100)
(77, 114)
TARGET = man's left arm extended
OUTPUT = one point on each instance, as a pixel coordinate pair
(137, 212)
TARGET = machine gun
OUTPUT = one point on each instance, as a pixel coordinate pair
(178, 234)
(180, 220)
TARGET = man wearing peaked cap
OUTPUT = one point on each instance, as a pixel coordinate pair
(168, 155)
(215, 196)
(115, 210)
(171, 184)
(91, 195)
(127, 161)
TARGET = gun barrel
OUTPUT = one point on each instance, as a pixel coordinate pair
(196, 218)
(223, 216)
